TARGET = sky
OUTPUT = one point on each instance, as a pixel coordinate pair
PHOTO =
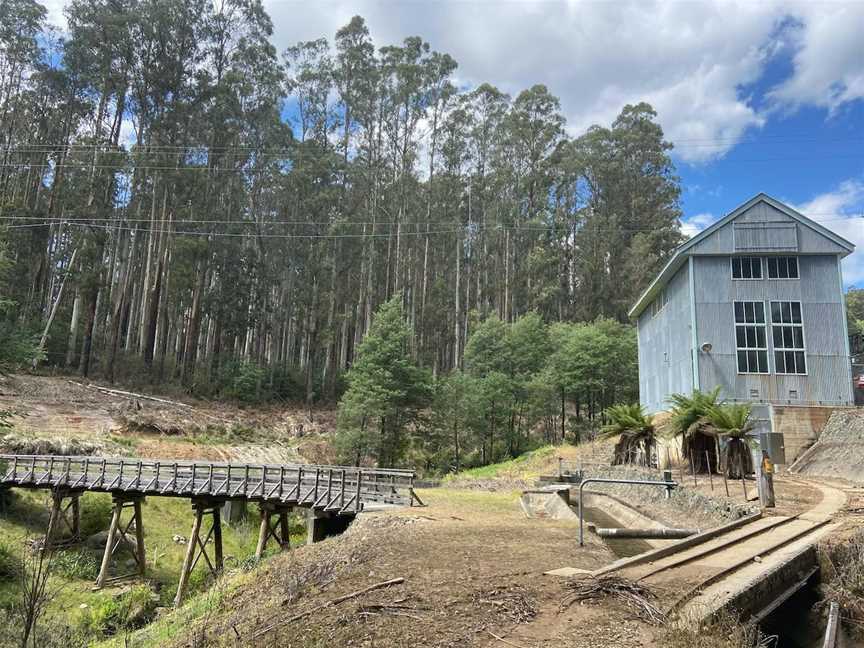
(756, 96)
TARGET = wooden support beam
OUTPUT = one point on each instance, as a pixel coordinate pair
(118, 534)
(274, 524)
(66, 515)
(196, 547)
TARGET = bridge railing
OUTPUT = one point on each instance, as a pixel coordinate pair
(334, 488)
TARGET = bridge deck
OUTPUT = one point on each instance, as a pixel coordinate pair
(327, 488)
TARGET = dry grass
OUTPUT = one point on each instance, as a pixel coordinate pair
(725, 632)
(842, 565)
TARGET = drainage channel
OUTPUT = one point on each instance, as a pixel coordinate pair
(797, 623)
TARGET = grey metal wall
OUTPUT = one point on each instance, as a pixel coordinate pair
(818, 290)
(665, 361)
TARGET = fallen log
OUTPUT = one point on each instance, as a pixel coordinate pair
(128, 394)
(648, 534)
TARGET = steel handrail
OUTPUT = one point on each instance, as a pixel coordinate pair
(603, 480)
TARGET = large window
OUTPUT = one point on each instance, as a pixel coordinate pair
(782, 267)
(746, 267)
(750, 338)
(787, 333)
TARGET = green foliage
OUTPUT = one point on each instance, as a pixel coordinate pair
(129, 611)
(386, 391)
(637, 431)
(688, 412)
(855, 310)
(76, 564)
(731, 420)
(10, 565)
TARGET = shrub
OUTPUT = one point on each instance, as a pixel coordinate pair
(9, 564)
(76, 565)
(129, 611)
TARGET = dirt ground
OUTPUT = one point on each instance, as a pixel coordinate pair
(63, 411)
(473, 567)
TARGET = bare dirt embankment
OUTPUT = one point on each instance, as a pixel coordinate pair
(839, 452)
(68, 416)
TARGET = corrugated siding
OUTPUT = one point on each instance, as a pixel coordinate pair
(665, 363)
(765, 229)
(817, 290)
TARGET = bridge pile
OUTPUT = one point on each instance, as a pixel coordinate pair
(330, 495)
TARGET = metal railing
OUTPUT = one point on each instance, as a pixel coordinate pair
(669, 485)
(332, 488)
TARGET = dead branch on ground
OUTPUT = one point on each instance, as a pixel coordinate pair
(329, 604)
(638, 598)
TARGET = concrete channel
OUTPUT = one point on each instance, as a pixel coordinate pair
(763, 569)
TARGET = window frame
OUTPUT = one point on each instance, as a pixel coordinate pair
(784, 349)
(786, 257)
(746, 349)
(749, 257)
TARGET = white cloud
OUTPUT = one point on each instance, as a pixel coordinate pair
(829, 56)
(842, 211)
(693, 61)
(692, 225)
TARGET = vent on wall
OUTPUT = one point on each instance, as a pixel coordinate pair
(754, 393)
(767, 236)
(793, 394)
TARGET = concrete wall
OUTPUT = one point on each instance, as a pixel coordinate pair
(665, 356)
(800, 427)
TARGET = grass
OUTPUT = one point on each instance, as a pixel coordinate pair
(24, 516)
(525, 466)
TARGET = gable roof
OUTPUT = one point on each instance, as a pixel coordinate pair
(683, 251)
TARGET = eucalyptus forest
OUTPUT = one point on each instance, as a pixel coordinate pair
(182, 204)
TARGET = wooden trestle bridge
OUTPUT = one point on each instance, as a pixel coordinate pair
(331, 496)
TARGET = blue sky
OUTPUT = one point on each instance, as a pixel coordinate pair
(763, 95)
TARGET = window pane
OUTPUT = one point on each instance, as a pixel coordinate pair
(796, 312)
(777, 336)
(775, 312)
(785, 314)
(788, 342)
(736, 268)
(793, 268)
(751, 361)
(751, 337)
(800, 367)
(763, 361)
(742, 361)
(772, 268)
(798, 337)
(756, 264)
(783, 268)
(790, 361)
(759, 307)
(745, 270)
(748, 313)
(760, 337)
(740, 337)
(739, 311)
(779, 364)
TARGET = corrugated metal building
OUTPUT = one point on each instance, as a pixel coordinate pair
(753, 304)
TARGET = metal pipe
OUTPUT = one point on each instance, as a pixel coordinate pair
(833, 626)
(601, 480)
(659, 534)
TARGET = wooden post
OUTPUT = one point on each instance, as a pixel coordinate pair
(190, 556)
(109, 544)
(708, 463)
(693, 470)
(217, 539)
(725, 481)
(766, 482)
(285, 540)
(743, 485)
(263, 533)
(139, 537)
(53, 519)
